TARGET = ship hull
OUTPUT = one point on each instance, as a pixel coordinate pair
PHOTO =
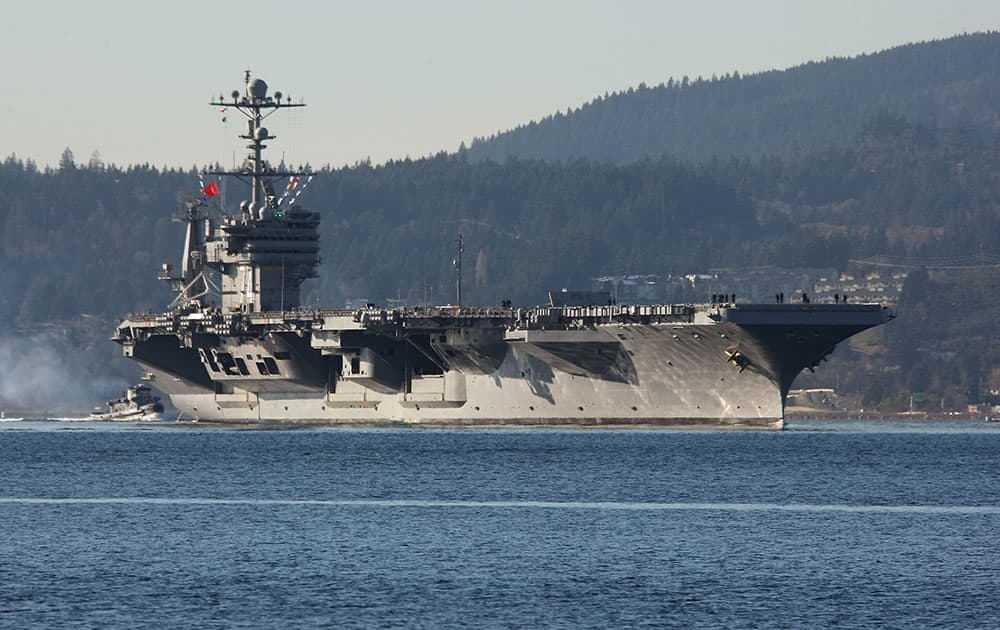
(721, 368)
(681, 389)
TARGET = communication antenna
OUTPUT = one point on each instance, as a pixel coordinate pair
(458, 270)
(256, 104)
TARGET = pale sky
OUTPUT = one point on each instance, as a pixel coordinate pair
(390, 79)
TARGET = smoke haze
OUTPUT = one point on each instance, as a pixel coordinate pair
(50, 372)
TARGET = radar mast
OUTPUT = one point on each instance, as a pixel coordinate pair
(265, 254)
(256, 104)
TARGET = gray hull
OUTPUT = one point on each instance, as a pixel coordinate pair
(686, 366)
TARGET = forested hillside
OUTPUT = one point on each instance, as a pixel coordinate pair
(810, 107)
(90, 239)
(84, 239)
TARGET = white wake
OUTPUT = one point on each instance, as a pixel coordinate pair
(539, 505)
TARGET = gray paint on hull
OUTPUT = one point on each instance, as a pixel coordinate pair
(722, 368)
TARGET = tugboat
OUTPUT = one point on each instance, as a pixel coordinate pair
(137, 403)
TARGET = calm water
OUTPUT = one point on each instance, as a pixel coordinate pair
(852, 524)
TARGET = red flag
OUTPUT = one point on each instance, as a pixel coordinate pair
(212, 189)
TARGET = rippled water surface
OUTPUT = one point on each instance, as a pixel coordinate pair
(847, 524)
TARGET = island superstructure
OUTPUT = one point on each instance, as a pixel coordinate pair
(236, 344)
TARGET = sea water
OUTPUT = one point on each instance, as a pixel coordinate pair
(849, 524)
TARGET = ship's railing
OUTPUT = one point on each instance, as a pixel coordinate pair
(810, 307)
(530, 317)
(614, 311)
(150, 320)
(215, 321)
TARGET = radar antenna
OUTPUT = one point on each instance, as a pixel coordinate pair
(263, 256)
(256, 104)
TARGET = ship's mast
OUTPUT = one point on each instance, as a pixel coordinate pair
(458, 270)
(257, 105)
(265, 254)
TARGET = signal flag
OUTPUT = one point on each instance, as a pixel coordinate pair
(211, 190)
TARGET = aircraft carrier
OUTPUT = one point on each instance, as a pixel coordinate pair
(237, 346)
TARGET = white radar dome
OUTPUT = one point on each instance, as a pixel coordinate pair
(257, 89)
